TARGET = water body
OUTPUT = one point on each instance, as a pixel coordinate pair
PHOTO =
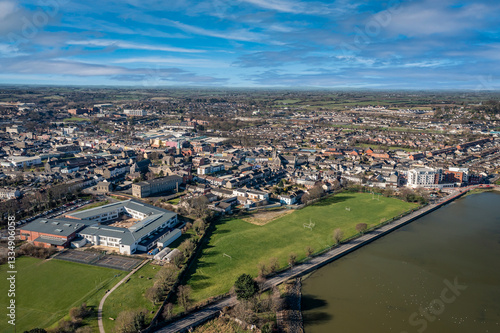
(439, 274)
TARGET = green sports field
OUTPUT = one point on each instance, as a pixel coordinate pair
(130, 296)
(47, 289)
(237, 247)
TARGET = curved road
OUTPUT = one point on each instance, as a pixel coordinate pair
(101, 304)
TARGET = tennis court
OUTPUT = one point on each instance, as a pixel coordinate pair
(84, 257)
(116, 262)
(99, 259)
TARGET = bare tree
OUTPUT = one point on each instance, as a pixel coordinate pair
(316, 192)
(309, 251)
(183, 295)
(178, 260)
(130, 321)
(155, 293)
(167, 275)
(292, 258)
(262, 268)
(199, 227)
(305, 198)
(168, 311)
(361, 227)
(338, 235)
(198, 206)
(273, 265)
(187, 247)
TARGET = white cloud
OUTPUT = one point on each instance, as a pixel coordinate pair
(198, 63)
(278, 5)
(436, 17)
(239, 35)
(7, 50)
(59, 67)
(128, 45)
(6, 9)
(296, 7)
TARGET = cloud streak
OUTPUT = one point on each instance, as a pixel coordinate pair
(321, 43)
(128, 45)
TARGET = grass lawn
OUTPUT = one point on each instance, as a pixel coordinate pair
(46, 290)
(174, 201)
(375, 146)
(93, 205)
(130, 296)
(77, 119)
(248, 244)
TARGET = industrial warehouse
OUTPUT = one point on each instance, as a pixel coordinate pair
(128, 226)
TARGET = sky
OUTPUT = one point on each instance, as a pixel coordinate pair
(339, 44)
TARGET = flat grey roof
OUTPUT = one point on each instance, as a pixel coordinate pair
(51, 240)
(160, 180)
(154, 219)
(60, 227)
(88, 213)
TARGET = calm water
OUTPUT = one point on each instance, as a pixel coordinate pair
(439, 274)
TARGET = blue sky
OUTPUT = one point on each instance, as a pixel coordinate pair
(420, 44)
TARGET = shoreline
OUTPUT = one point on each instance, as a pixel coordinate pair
(311, 265)
(450, 200)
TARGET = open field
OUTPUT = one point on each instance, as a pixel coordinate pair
(130, 296)
(77, 119)
(47, 289)
(174, 201)
(237, 247)
(375, 146)
(266, 216)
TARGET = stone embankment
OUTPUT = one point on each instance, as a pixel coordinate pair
(289, 319)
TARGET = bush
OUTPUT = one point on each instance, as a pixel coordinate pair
(168, 311)
(187, 247)
(79, 313)
(155, 293)
(131, 321)
(267, 328)
(245, 287)
(28, 249)
(65, 326)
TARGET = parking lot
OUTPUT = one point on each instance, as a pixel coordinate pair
(55, 212)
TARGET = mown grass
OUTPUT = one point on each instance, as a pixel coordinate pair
(93, 205)
(47, 289)
(376, 146)
(174, 201)
(75, 119)
(237, 247)
(130, 296)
